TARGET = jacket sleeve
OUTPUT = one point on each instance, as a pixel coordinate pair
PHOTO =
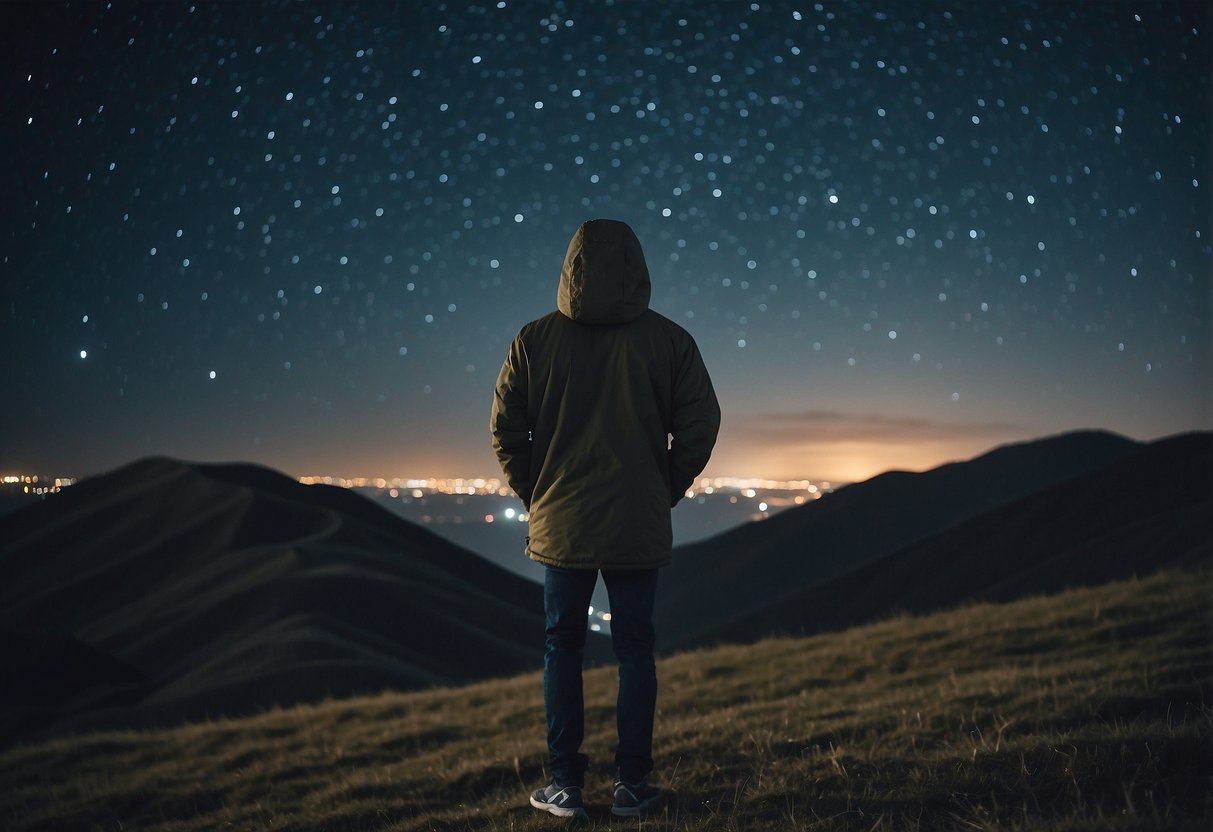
(509, 424)
(695, 423)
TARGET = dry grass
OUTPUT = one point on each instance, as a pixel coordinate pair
(1086, 710)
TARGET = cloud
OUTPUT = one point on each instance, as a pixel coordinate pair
(813, 426)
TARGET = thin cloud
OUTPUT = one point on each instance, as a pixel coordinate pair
(835, 426)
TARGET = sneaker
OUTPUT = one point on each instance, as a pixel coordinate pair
(632, 799)
(563, 802)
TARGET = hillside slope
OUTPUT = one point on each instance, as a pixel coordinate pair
(221, 589)
(1148, 511)
(745, 569)
(1082, 711)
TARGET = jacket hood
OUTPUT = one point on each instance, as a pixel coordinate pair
(605, 279)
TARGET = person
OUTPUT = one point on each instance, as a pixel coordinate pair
(603, 415)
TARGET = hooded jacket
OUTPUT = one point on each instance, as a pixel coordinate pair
(603, 413)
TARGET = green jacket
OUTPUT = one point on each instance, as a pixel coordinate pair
(604, 413)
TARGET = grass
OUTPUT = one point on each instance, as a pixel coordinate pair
(1082, 711)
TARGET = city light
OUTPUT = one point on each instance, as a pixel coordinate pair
(773, 494)
(471, 486)
(748, 487)
(37, 484)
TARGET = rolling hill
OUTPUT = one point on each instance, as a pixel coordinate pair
(1149, 511)
(167, 591)
(746, 569)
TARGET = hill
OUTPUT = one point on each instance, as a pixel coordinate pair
(167, 591)
(1081, 711)
(744, 570)
(1147, 512)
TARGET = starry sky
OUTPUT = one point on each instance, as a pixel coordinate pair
(304, 233)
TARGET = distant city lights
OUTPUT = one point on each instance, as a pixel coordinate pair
(417, 486)
(770, 493)
(36, 484)
(749, 488)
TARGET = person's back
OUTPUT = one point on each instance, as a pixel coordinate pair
(603, 416)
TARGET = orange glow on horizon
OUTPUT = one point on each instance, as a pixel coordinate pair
(739, 457)
(843, 461)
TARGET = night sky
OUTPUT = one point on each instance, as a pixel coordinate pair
(303, 234)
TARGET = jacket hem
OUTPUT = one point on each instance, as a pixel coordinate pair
(563, 564)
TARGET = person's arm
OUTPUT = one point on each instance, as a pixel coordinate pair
(696, 421)
(508, 423)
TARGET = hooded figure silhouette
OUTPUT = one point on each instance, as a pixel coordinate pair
(602, 417)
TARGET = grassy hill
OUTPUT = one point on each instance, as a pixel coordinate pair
(1092, 709)
(741, 572)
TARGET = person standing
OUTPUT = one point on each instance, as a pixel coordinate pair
(602, 417)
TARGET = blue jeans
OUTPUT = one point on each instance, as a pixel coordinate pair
(566, 601)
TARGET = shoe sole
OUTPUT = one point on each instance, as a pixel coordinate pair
(559, 811)
(633, 811)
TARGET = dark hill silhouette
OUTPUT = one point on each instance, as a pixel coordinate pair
(54, 670)
(172, 591)
(1147, 512)
(746, 569)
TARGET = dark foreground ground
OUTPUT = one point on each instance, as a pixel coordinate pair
(1086, 710)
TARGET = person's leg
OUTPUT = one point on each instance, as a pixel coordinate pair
(566, 602)
(632, 593)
